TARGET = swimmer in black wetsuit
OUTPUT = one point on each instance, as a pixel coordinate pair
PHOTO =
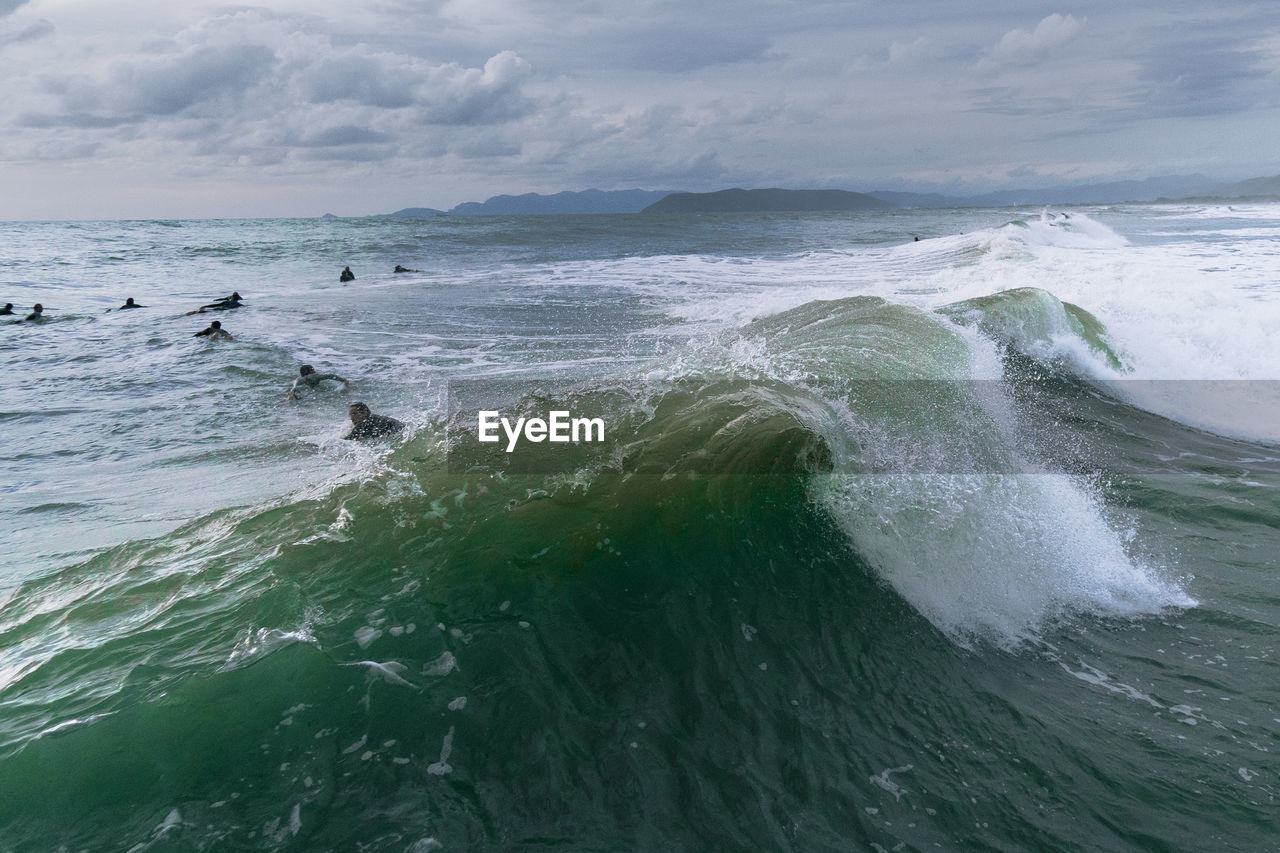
(402, 269)
(129, 303)
(310, 379)
(7, 309)
(36, 315)
(215, 332)
(347, 275)
(226, 303)
(368, 425)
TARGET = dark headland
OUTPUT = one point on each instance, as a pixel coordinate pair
(534, 204)
(767, 201)
(416, 213)
(571, 203)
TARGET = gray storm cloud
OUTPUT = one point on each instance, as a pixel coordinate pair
(480, 98)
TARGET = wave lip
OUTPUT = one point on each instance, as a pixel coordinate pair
(932, 481)
(996, 557)
(1038, 324)
(1065, 230)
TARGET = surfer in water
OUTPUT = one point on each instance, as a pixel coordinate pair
(215, 332)
(129, 303)
(365, 424)
(310, 379)
(347, 275)
(7, 309)
(226, 303)
(36, 315)
(403, 269)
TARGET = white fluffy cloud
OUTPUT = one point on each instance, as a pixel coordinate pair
(1028, 47)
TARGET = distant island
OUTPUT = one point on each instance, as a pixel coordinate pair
(1169, 188)
(534, 204)
(587, 201)
(415, 213)
(766, 201)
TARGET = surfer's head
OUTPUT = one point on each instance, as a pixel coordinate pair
(306, 370)
(358, 412)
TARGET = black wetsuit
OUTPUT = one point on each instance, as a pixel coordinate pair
(375, 426)
(35, 317)
(4, 311)
(128, 305)
(212, 333)
(347, 275)
(313, 380)
(222, 305)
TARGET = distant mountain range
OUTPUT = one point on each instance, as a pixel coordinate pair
(756, 201)
(533, 204)
(588, 201)
(1175, 187)
(1256, 188)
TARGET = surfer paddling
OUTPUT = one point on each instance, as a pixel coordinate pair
(226, 303)
(215, 332)
(366, 425)
(308, 378)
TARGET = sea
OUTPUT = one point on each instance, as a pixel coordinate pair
(908, 530)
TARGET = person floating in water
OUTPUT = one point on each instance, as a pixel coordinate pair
(226, 303)
(215, 332)
(365, 424)
(310, 379)
(402, 269)
(129, 303)
(36, 315)
(347, 275)
(7, 309)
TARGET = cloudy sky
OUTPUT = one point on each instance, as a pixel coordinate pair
(143, 108)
